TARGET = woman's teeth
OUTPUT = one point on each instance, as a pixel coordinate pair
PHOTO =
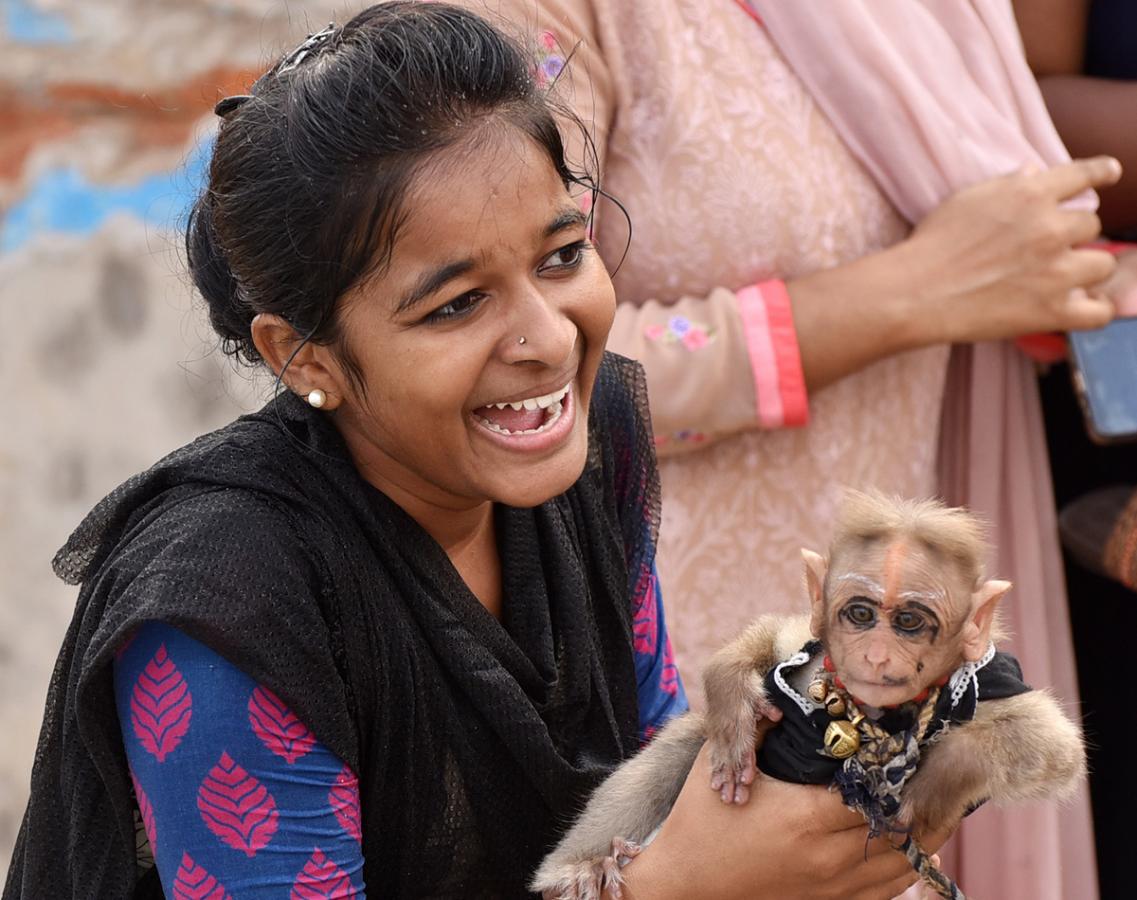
(550, 405)
(543, 402)
(551, 415)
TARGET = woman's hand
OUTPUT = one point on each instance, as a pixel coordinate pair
(789, 840)
(1002, 258)
(1121, 288)
(997, 260)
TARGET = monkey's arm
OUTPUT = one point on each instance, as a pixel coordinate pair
(631, 804)
(1018, 748)
(736, 699)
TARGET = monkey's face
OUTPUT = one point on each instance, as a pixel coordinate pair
(893, 620)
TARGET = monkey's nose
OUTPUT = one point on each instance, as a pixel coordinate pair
(876, 656)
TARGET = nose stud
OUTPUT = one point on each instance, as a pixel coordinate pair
(521, 340)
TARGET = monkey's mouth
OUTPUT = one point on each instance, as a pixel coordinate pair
(880, 691)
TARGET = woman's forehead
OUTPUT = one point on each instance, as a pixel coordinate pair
(476, 197)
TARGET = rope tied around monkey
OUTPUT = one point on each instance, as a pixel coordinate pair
(872, 781)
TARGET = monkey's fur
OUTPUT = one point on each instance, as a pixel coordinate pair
(1017, 748)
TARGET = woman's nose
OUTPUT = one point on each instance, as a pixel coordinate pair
(539, 331)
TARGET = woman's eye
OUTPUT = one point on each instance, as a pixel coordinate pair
(908, 621)
(567, 257)
(456, 308)
(860, 614)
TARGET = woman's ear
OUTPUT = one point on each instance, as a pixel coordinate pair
(306, 367)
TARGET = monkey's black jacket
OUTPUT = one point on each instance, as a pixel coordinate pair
(475, 740)
(790, 751)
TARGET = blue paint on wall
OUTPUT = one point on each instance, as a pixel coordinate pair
(26, 24)
(63, 200)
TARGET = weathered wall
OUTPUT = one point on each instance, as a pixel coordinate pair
(106, 362)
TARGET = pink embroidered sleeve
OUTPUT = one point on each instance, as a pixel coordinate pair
(716, 365)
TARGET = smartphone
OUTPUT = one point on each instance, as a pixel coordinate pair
(1103, 364)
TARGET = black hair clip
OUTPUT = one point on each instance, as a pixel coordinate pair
(297, 56)
(227, 104)
(290, 61)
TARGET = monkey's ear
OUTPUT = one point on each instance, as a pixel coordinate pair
(977, 632)
(816, 568)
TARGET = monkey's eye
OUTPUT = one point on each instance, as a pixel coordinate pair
(861, 614)
(908, 622)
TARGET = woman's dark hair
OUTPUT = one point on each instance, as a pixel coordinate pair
(309, 172)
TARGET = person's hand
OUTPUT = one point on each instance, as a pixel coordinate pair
(1121, 287)
(789, 840)
(1002, 258)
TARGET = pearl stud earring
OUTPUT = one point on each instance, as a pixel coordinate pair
(317, 398)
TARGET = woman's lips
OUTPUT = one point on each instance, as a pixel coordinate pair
(533, 430)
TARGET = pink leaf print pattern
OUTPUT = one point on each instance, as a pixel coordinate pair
(236, 807)
(344, 799)
(146, 811)
(322, 879)
(160, 706)
(277, 726)
(194, 883)
(669, 679)
(645, 620)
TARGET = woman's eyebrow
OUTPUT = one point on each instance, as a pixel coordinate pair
(431, 282)
(568, 218)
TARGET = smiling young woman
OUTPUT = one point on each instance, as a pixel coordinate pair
(475, 348)
(397, 633)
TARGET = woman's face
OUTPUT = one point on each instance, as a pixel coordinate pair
(493, 250)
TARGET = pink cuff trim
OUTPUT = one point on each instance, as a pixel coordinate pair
(775, 359)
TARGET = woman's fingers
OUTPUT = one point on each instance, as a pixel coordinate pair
(831, 814)
(1069, 179)
(1079, 226)
(1086, 266)
(1085, 312)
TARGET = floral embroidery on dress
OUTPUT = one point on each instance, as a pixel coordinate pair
(681, 330)
(549, 59)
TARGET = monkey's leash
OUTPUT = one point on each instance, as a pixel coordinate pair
(929, 873)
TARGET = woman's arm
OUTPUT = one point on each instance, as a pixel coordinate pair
(235, 795)
(659, 688)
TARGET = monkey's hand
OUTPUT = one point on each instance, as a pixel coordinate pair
(732, 739)
(1017, 748)
(737, 702)
(592, 879)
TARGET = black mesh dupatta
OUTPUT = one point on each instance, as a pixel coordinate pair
(475, 741)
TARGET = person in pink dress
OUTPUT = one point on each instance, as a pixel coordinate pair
(821, 203)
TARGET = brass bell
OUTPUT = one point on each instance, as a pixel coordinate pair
(842, 739)
(818, 690)
(834, 705)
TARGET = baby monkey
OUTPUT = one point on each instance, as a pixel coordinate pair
(891, 691)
